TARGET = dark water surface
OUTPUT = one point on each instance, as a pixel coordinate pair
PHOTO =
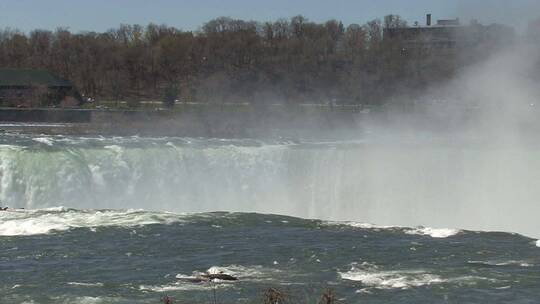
(61, 255)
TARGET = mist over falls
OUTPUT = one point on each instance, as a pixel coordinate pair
(445, 186)
(467, 158)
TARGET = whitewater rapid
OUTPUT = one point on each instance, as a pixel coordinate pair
(137, 256)
(58, 219)
(22, 222)
(441, 186)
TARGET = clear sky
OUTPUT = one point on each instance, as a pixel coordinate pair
(100, 15)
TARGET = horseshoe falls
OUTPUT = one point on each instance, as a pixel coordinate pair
(415, 184)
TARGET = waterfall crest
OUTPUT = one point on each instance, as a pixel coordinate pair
(440, 186)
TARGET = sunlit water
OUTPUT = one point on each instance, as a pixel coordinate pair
(136, 220)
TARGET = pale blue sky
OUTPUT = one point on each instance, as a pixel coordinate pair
(100, 15)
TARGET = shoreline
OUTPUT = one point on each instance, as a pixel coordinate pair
(207, 121)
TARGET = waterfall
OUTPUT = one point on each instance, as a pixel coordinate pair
(443, 186)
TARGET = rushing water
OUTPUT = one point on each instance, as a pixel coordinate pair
(136, 220)
(63, 255)
(407, 183)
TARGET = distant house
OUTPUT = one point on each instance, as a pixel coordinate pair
(36, 88)
(446, 35)
(424, 37)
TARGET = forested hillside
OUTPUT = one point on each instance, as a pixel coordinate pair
(227, 60)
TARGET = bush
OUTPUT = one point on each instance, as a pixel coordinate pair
(170, 95)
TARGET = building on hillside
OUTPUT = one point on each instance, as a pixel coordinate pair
(447, 35)
(443, 35)
(36, 88)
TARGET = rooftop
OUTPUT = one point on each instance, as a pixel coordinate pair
(29, 77)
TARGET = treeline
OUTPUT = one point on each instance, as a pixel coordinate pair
(228, 60)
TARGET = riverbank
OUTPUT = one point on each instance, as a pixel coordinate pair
(228, 121)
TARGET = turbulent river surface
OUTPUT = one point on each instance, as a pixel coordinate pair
(130, 220)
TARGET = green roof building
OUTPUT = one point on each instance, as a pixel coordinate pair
(27, 77)
(35, 88)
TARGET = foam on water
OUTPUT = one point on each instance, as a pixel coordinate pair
(502, 263)
(90, 300)
(98, 284)
(87, 300)
(363, 225)
(42, 221)
(370, 275)
(32, 222)
(373, 277)
(433, 232)
(252, 273)
(179, 286)
(26, 124)
(78, 300)
(44, 140)
(425, 231)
